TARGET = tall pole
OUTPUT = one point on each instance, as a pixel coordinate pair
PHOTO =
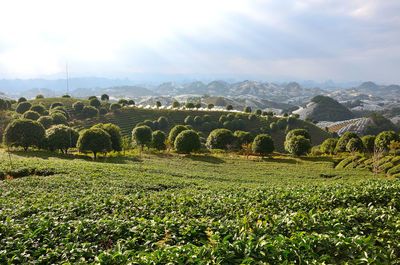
(66, 70)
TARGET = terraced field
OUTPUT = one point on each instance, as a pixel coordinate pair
(153, 209)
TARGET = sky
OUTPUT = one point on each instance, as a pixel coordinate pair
(340, 40)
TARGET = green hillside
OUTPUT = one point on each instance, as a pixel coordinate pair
(328, 109)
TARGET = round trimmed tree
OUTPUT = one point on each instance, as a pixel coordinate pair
(3, 104)
(369, 143)
(162, 122)
(158, 104)
(229, 107)
(220, 139)
(263, 144)
(61, 137)
(298, 145)
(142, 135)
(247, 109)
(243, 137)
(39, 109)
(382, 141)
(58, 118)
(24, 133)
(355, 145)
(105, 97)
(46, 121)
(189, 105)
(115, 135)
(94, 140)
(115, 106)
(210, 106)
(343, 140)
(56, 104)
(95, 102)
(297, 132)
(21, 99)
(78, 106)
(328, 146)
(158, 140)
(176, 104)
(31, 115)
(23, 107)
(187, 141)
(175, 131)
(90, 111)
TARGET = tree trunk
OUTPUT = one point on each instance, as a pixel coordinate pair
(94, 153)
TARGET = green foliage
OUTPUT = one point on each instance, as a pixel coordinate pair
(328, 146)
(177, 129)
(105, 97)
(91, 97)
(31, 115)
(220, 139)
(158, 140)
(61, 137)
(328, 109)
(298, 132)
(142, 135)
(343, 140)
(247, 109)
(189, 105)
(176, 104)
(298, 145)
(258, 112)
(3, 104)
(115, 106)
(187, 141)
(163, 122)
(24, 133)
(123, 102)
(369, 143)
(229, 107)
(89, 112)
(379, 124)
(210, 106)
(115, 134)
(197, 105)
(46, 121)
(131, 102)
(21, 99)
(56, 104)
(58, 118)
(223, 119)
(158, 104)
(382, 141)
(263, 144)
(103, 110)
(94, 140)
(95, 102)
(197, 120)
(39, 109)
(23, 107)
(39, 96)
(252, 117)
(355, 145)
(242, 137)
(78, 106)
(66, 96)
(189, 119)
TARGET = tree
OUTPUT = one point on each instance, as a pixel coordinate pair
(177, 129)
(189, 105)
(56, 104)
(39, 96)
(131, 102)
(176, 104)
(328, 146)
(242, 137)
(39, 109)
(115, 134)
(78, 106)
(3, 104)
(229, 107)
(31, 115)
(158, 140)
(297, 132)
(126, 143)
(263, 144)
(247, 109)
(103, 110)
(95, 102)
(105, 97)
(61, 137)
(382, 141)
(197, 120)
(298, 145)
(187, 141)
(369, 143)
(210, 106)
(90, 111)
(343, 140)
(197, 105)
(24, 133)
(158, 104)
(252, 117)
(189, 120)
(58, 118)
(21, 99)
(23, 107)
(223, 119)
(115, 106)
(123, 102)
(66, 96)
(354, 145)
(94, 140)
(91, 97)
(394, 145)
(258, 112)
(61, 110)
(46, 121)
(142, 135)
(220, 139)
(162, 122)
(273, 126)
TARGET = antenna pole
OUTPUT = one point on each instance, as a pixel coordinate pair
(66, 70)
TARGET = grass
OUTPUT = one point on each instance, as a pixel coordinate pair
(199, 209)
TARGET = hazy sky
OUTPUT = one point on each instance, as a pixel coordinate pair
(342, 40)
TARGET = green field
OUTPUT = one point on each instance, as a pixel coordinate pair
(153, 209)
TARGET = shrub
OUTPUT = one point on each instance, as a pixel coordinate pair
(369, 143)
(298, 132)
(229, 107)
(281, 123)
(61, 110)
(220, 139)
(24, 133)
(94, 140)
(103, 111)
(3, 104)
(187, 141)
(382, 141)
(328, 146)
(142, 135)
(66, 96)
(61, 137)
(31, 115)
(105, 97)
(162, 122)
(189, 120)
(247, 109)
(298, 145)
(131, 102)
(115, 106)
(56, 104)
(39, 96)
(210, 106)
(39, 109)
(263, 144)
(58, 118)
(197, 120)
(223, 119)
(316, 150)
(343, 140)
(258, 112)
(95, 102)
(189, 105)
(158, 104)
(158, 140)
(21, 99)
(91, 97)
(89, 111)
(252, 117)
(273, 126)
(242, 137)
(23, 107)
(176, 104)
(78, 106)
(46, 121)
(355, 145)
(115, 134)
(177, 129)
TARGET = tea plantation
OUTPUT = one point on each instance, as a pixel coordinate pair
(153, 209)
